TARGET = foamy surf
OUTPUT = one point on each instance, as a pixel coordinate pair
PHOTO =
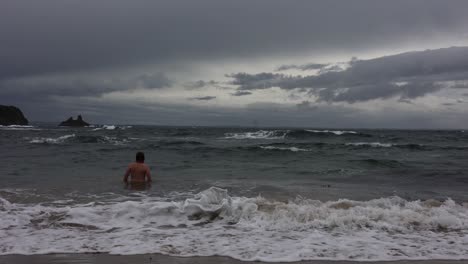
(335, 132)
(79, 139)
(110, 127)
(261, 134)
(370, 144)
(282, 134)
(293, 149)
(19, 127)
(214, 223)
(46, 140)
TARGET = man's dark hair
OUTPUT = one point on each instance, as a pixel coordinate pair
(140, 157)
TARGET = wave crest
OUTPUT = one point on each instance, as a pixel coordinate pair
(73, 138)
(256, 228)
(290, 134)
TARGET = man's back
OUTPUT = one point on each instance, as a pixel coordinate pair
(138, 172)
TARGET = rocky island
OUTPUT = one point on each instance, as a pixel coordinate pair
(79, 122)
(11, 115)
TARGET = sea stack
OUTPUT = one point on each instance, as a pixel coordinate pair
(79, 122)
(11, 115)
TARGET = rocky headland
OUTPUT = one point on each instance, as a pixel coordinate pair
(11, 115)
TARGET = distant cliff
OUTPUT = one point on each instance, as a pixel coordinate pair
(10, 115)
(79, 122)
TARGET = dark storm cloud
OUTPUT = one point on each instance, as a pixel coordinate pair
(408, 75)
(153, 81)
(52, 36)
(203, 98)
(262, 80)
(80, 85)
(304, 67)
(241, 93)
(200, 84)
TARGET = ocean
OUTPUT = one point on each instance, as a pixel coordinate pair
(266, 194)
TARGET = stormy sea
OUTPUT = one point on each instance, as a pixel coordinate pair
(251, 194)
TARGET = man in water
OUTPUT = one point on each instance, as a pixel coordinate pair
(139, 172)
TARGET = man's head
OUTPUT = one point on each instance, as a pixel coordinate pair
(140, 157)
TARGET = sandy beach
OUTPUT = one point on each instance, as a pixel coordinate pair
(157, 258)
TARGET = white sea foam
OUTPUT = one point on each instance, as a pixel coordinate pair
(261, 134)
(111, 127)
(370, 144)
(336, 132)
(45, 140)
(213, 223)
(106, 127)
(115, 140)
(280, 134)
(293, 149)
(18, 127)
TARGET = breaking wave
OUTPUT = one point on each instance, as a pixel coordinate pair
(293, 134)
(45, 140)
(214, 223)
(18, 127)
(335, 132)
(293, 149)
(370, 144)
(261, 134)
(411, 146)
(111, 127)
(73, 138)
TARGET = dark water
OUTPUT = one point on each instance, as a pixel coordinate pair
(319, 164)
(247, 193)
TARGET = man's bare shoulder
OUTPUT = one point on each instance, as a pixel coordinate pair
(138, 164)
(132, 165)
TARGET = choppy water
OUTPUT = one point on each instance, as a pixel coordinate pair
(248, 193)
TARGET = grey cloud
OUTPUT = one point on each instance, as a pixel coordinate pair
(304, 67)
(405, 100)
(76, 37)
(203, 98)
(241, 93)
(262, 80)
(306, 105)
(80, 85)
(333, 68)
(200, 84)
(376, 91)
(459, 85)
(153, 81)
(408, 75)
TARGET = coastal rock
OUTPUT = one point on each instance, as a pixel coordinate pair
(79, 122)
(11, 115)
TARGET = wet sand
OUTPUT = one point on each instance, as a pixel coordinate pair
(157, 258)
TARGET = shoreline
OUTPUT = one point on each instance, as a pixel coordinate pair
(106, 258)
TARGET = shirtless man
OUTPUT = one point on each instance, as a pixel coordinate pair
(140, 173)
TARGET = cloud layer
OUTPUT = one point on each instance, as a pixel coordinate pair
(50, 36)
(407, 75)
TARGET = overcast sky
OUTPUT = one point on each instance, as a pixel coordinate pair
(336, 64)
